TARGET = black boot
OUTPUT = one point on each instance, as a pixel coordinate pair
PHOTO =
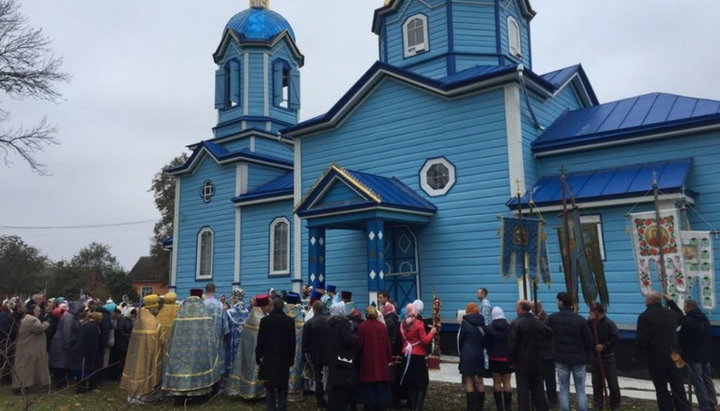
(470, 403)
(420, 398)
(498, 395)
(479, 400)
(508, 400)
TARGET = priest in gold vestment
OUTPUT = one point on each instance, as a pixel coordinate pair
(141, 375)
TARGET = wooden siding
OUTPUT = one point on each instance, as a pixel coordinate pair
(513, 10)
(474, 29)
(259, 175)
(218, 214)
(255, 247)
(546, 110)
(437, 36)
(274, 148)
(237, 145)
(627, 302)
(461, 241)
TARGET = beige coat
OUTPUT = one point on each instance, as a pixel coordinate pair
(31, 357)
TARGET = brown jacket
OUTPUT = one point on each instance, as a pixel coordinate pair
(31, 357)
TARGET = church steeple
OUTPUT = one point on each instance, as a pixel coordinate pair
(257, 83)
(434, 41)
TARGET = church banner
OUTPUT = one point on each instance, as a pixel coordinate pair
(523, 237)
(697, 249)
(582, 259)
(648, 238)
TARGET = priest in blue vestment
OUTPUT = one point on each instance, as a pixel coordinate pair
(220, 326)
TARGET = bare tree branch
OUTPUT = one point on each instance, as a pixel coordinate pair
(28, 68)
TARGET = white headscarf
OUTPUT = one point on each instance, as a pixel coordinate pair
(419, 305)
(497, 314)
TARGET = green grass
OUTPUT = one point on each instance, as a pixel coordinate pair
(109, 396)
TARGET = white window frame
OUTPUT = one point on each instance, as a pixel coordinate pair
(514, 38)
(408, 50)
(198, 255)
(432, 192)
(271, 265)
(595, 219)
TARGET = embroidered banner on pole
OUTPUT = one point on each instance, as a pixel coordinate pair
(523, 237)
(697, 250)
(647, 243)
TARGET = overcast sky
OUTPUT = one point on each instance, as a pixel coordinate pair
(142, 89)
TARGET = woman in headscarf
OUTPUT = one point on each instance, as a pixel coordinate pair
(472, 356)
(31, 358)
(342, 375)
(415, 341)
(375, 355)
(496, 342)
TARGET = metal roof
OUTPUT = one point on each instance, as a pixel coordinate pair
(221, 154)
(373, 191)
(609, 183)
(631, 117)
(259, 23)
(281, 186)
(476, 74)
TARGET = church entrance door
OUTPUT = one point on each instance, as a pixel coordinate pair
(401, 265)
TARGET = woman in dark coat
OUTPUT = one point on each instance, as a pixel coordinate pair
(496, 343)
(118, 352)
(342, 375)
(375, 354)
(472, 356)
(62, 344)
(86, 351)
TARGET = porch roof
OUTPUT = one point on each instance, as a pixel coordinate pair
(353, 194)
(610, 183)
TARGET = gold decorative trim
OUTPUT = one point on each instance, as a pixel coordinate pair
(193, 319)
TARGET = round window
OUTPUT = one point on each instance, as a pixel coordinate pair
(437, 176)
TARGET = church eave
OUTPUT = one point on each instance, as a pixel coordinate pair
(249, 132)
(230, 35)
(381, 12)
(189, 166)
(379, 71)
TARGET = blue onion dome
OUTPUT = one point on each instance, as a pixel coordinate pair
(259, 23)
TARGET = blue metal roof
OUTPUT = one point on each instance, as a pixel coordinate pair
(462, 78)
(222, 154)
(619, 120)
(609, 183)
(374, 191)
(281, 186)
(559, 77)
(393, 192)
(259, 23)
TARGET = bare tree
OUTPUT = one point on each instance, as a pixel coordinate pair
(28, 68)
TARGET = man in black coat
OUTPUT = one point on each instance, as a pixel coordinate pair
(695, 340)
(572, 349)
(315, 340)
(525, 339)
(604, 349)
(275, 354)
(656, 341)
(548, 358)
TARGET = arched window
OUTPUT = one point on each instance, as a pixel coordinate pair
(204, 254)
(415, 35)
(514, 43)
(280, 246)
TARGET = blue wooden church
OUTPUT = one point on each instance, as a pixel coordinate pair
(400, 184)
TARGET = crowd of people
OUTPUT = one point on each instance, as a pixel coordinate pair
(280, 345)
